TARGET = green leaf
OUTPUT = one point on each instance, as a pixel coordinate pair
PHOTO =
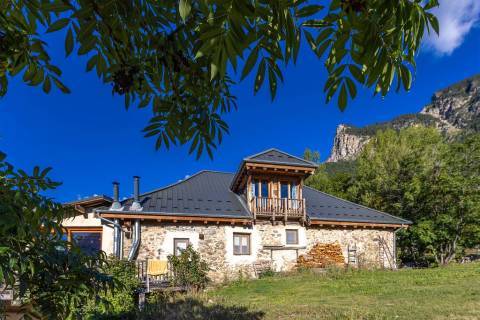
(145, 102)
(434, 22)
(406, 77)
(47, 85)
(260, 76)
(92, 62)
(356, 73)
(273, 83)
(308, 10)
(351, 87)
(342, 98)
(59, 24)
(184, 7)
(60, 85)
(250, 63)
(69, 42)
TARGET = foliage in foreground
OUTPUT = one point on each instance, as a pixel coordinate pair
(181, 58)
(415, 173)
(51, 276)
(121, 299)
(189, 270)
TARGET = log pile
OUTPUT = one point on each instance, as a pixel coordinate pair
(322, 255)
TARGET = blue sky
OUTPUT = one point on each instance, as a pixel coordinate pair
(90, 139)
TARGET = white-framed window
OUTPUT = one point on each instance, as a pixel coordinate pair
(241, 244)
(291, 236)
(180, 244)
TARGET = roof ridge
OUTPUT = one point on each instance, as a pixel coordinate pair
(357, 204)
(280, 151)
(177, 182)
(90, 198)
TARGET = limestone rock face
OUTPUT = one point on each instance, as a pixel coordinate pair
(458, 106)
(451, 110)
(346, 146)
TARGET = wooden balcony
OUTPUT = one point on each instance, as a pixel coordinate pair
(278, 208)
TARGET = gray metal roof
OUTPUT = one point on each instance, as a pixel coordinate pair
(322, 206)
(206, 193)
(275, 156)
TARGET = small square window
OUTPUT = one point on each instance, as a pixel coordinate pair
(241, 244)
(292, 236)
(180, 244)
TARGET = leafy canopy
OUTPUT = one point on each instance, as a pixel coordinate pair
(419, 175)
(181, 58)
(49, 275)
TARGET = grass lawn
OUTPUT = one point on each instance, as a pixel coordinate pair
(451, 292)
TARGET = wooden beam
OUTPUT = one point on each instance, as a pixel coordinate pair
(356, 224)
(174, 218)
(275, 167)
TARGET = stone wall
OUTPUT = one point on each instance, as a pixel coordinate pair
(366, 242)
(268, 244)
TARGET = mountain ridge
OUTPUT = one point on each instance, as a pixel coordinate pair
(452, 109)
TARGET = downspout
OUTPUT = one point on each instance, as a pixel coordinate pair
(117, 236)
(395, 246)
(136, 240)
(136, 236)
(117, 229)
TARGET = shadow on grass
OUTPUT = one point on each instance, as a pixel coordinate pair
(191, 308)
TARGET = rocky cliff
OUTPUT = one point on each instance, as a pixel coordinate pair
(452, 109)
(346, 145)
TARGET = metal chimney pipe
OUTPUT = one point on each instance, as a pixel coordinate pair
(115, 191)
(136, 188)
(116, 203)
(136, 194)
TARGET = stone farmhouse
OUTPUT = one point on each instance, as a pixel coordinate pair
(261, 214)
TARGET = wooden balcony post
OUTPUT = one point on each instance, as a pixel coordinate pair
(285, 209)
(304, 210)
(273, 211)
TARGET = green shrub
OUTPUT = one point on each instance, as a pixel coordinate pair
(189, 270)
(266, 273)
(120, 302)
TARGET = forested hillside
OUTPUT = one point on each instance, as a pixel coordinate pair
(421, 175)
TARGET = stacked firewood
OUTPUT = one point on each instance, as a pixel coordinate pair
(322, 255)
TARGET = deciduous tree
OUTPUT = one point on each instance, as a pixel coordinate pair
(181, 58)
(49, 275)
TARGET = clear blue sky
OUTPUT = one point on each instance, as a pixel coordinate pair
(90, 139)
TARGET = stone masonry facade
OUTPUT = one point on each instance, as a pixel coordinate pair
(374, 247)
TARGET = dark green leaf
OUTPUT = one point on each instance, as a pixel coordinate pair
(47, 85)
(69, 42)
(342, 97)
(59, 24)
(250, 63)
(260, 76)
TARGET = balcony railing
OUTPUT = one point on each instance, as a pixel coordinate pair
(278, 208)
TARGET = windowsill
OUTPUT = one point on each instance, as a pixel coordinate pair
(287, 247)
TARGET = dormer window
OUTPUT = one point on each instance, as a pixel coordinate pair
(259, 188)
(288, 190)
(272, 183)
